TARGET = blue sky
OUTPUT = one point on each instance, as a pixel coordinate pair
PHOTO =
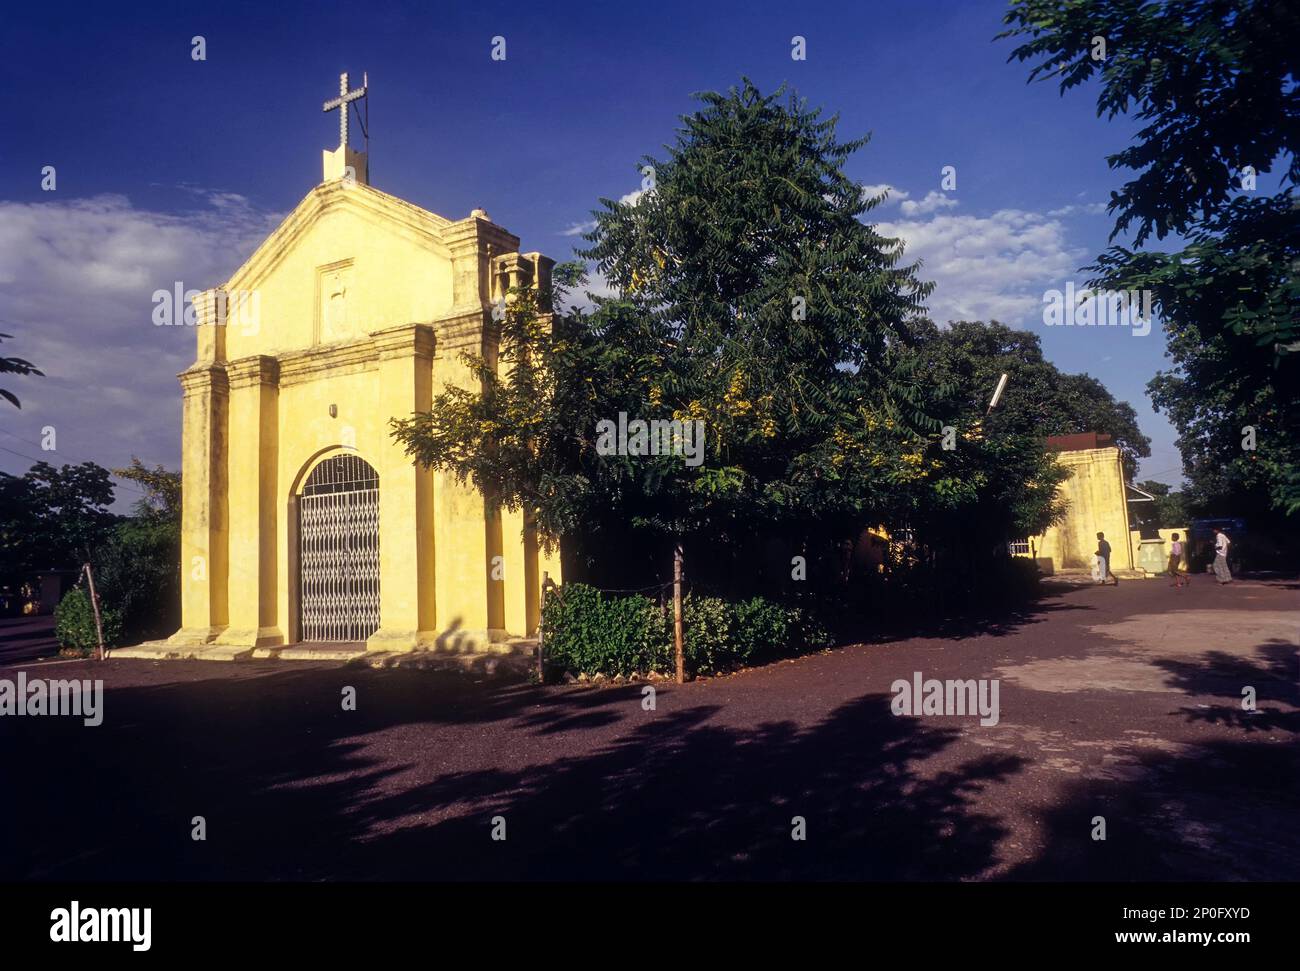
(170, 169)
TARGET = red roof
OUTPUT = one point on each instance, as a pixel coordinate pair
(1079, 441)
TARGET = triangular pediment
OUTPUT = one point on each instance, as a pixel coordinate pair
(379, 208)
(348, 261)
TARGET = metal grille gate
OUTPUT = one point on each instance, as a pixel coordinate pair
(338, 530)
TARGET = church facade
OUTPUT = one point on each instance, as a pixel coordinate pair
(303, 519)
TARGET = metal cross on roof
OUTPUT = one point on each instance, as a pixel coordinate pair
(342, 101)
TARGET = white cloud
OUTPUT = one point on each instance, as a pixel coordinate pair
(597, 286)
(988, 267)
(1087, 209)
(933, 202)
(984, 267)
(578, 229)
(77, 279)
(896, 195)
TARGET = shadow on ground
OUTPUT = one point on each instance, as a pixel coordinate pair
(279, 773)
(1217, 810)
(25, 639)
(996, 620)
(593, 787)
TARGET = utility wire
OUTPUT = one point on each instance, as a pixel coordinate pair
(128, 484)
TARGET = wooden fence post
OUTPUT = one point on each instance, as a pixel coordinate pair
(677, 614)
(94, 605)
(541, 629)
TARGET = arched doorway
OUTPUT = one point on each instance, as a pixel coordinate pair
(338, 551)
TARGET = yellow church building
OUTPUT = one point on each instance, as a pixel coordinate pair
(303, 519)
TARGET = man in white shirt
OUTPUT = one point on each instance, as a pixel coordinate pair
(1221, 544)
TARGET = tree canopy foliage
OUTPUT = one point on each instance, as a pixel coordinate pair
(51, 517)
(161, 488)
(751, 296)
(1043, 397)
(751, 293)
(1214, 85)
(1167, 511)
(58, 518)
(14, 365)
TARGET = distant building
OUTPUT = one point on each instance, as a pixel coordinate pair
(1098, 503)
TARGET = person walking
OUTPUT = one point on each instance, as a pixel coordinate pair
(1221, 544)
(1103, 555)
(1175, 558)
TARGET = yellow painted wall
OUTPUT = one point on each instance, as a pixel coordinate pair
(395, 267)
(1097, 503)
(362, 302)
(1167, 537)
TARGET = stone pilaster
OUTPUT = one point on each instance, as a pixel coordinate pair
(203, 505)
(542, 272)
(468, 534)
(515, 581)
(252, 463)
(210, 329)
(407, 544)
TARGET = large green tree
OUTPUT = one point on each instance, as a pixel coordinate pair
(751, 296)
(139, 568)
(160, 489)
(1215, 164)
(988, 476)
(52, 518)
(999, 482)
(1055, 402)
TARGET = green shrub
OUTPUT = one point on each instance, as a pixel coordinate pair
(589, 632)
(813, 634)
(764, 628)
(137, 576)
(137, 573)
(708, 635)
(74, 622)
